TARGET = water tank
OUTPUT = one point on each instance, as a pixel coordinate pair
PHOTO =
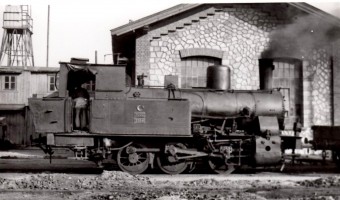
(17, 17)
(218, 77)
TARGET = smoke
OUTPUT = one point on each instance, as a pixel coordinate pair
(336, 12)
(300, 37)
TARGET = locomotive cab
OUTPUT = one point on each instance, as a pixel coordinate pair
(108, 110)
(56, 113)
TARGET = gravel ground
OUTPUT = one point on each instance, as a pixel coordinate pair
(120, 185)
(307, 181)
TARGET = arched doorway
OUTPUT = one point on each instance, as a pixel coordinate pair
(194, 70)
(287, 75)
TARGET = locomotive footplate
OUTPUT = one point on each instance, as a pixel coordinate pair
(78, 139)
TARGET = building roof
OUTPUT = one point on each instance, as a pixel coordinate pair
(12, 106)
(317, 12)
(153, 18)
(19, 70)
(185, 7)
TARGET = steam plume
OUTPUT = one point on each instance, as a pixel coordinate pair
(297, 39)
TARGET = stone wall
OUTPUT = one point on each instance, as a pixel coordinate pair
(321, 87)
(336, 82)
(242, 34)
(317, 102)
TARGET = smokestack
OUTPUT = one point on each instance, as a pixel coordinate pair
(266, 74)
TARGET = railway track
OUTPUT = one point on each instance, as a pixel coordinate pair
(38, 165)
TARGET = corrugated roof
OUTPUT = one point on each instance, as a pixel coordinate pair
(185, 7)
(12, 106)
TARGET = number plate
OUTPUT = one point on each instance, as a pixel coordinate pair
(140, 118)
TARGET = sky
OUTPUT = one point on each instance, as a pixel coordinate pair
(78, 28)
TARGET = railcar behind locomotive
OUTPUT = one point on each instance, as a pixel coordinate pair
(172, 128)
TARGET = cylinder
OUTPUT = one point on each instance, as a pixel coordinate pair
(218, 77)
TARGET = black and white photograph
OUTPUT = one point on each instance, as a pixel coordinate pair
(170, 100)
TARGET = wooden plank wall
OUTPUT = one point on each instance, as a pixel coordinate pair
(15, 120)
(39, 85)
(19, 130)
(20, 94)
(27, 84)
(30, 130)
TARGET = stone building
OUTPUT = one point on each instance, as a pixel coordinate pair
(298, 39)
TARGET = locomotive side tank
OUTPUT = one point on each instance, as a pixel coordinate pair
(176, 126)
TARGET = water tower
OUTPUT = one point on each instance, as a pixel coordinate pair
(16, 46)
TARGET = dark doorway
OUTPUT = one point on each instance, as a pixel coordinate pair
(287, 75)
(194, 70)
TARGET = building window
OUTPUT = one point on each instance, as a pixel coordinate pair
(10, 83)
(51, 83)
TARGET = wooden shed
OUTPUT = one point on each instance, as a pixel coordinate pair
(17, 84)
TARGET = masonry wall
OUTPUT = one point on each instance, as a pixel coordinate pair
(336, 82)
(242, 33)
(317, 91)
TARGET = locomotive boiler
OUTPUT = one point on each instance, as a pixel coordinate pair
(140, 127)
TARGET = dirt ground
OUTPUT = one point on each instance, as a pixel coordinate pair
(120, 185)
(36, 178)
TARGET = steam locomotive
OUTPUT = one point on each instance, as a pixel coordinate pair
(140, 127)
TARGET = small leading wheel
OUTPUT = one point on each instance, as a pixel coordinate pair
(169, 164)
(132, 161)
(219, 166)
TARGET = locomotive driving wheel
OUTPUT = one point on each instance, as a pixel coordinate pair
(221, 166)
(168, 161)
(132, 161)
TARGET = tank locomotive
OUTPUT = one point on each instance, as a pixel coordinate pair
(167, 127)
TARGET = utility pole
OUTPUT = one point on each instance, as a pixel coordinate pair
(48, 34)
